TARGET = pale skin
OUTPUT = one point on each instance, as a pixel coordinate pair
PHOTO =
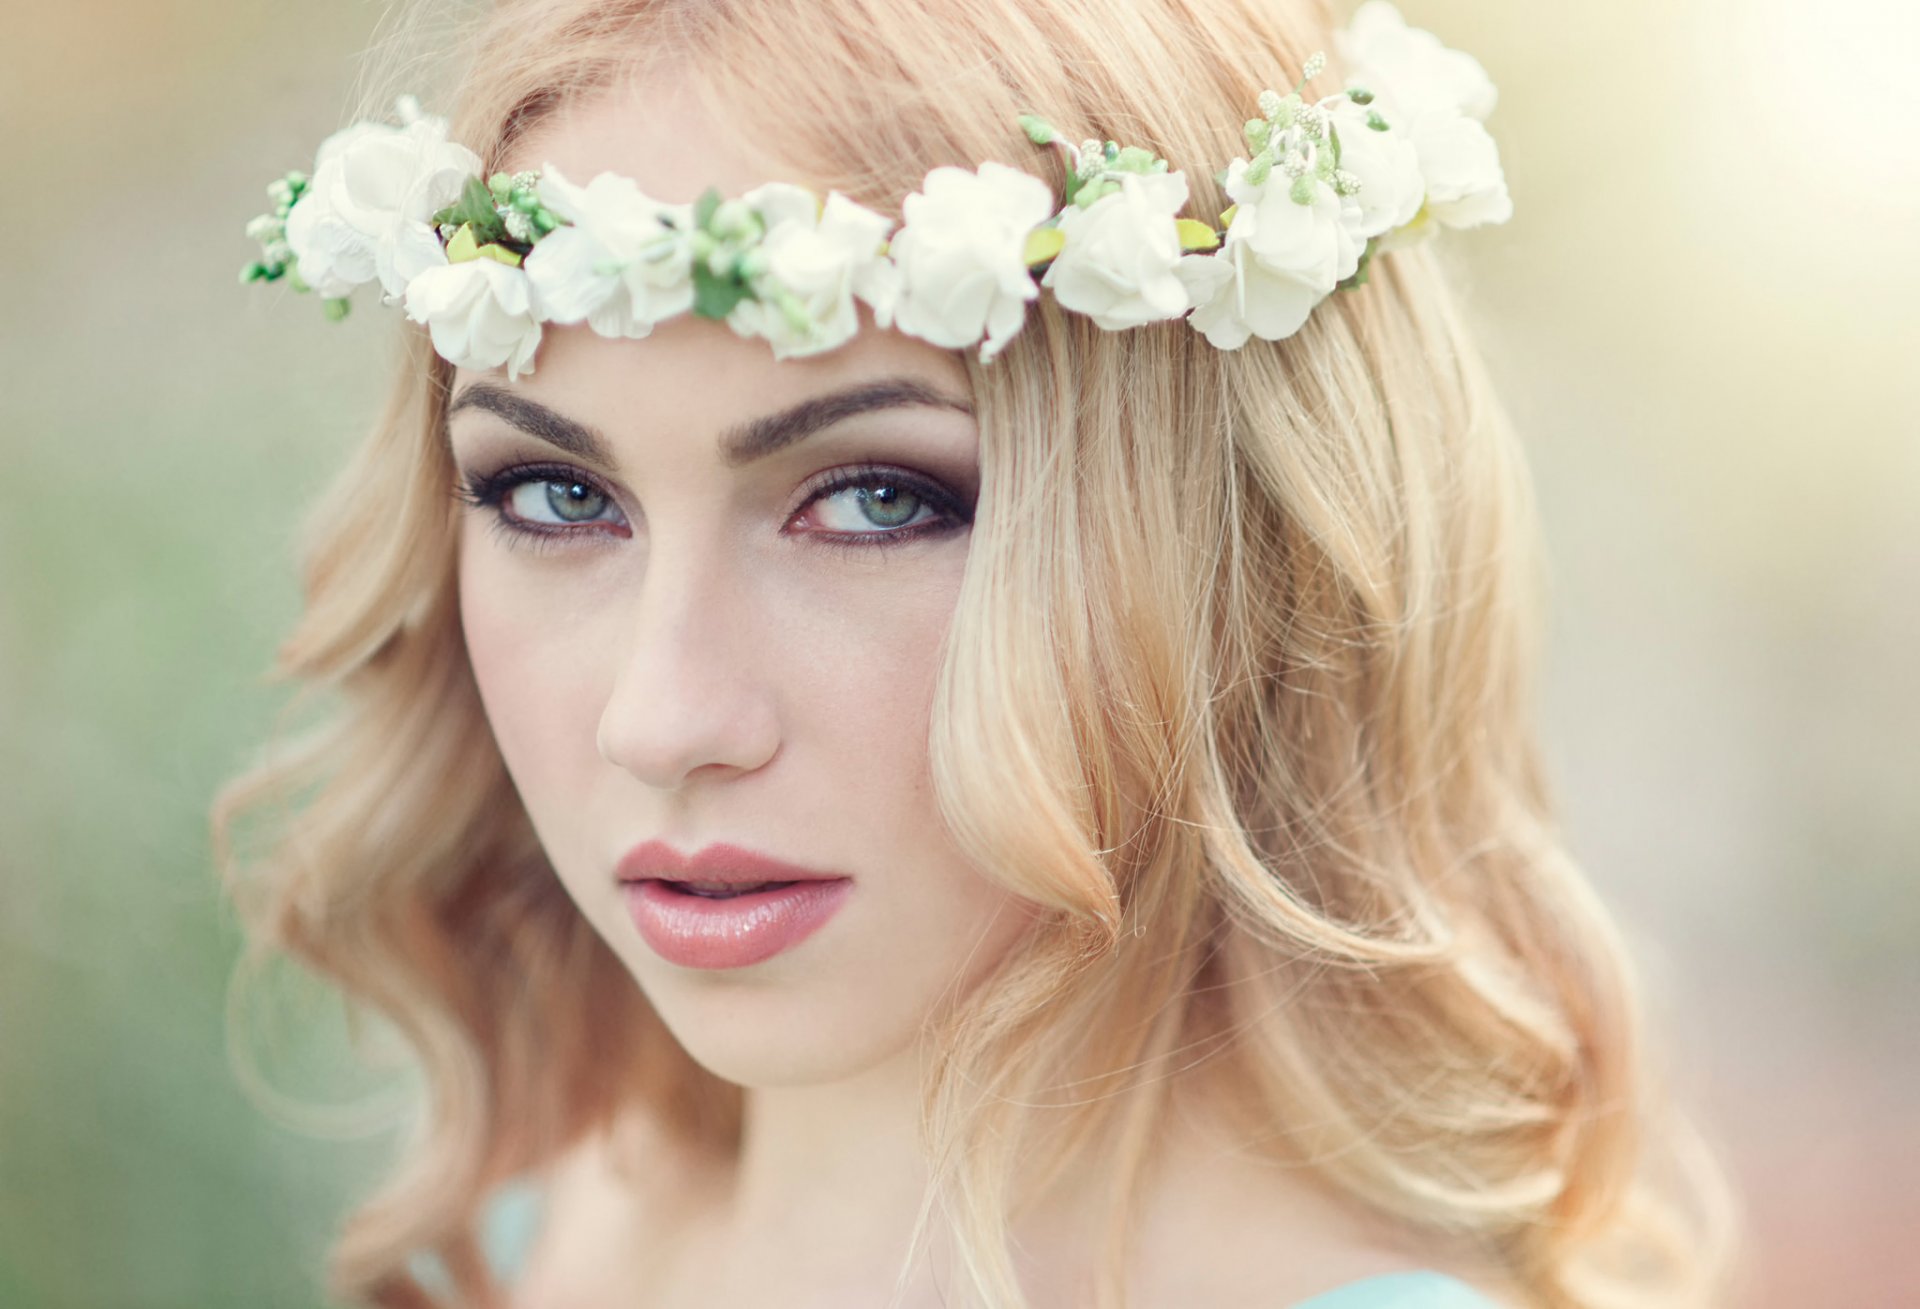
(690, 657)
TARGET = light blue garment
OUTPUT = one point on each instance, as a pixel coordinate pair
(513, 1218)
(1417, 1290)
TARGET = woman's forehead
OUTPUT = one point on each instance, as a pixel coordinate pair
(653, 127)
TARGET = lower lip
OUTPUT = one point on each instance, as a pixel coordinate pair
(696, 932)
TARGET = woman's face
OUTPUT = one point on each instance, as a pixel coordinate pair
(676, 642)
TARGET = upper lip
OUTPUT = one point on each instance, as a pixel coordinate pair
(721, 862)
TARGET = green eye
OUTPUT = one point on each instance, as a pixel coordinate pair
(556, 501)
(575, 502)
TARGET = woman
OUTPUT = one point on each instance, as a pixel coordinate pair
(1142, 716)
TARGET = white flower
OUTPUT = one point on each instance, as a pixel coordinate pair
(365, 213)
(1411, 65)
(624, 264)
(811, 263)
(961, 255)
(479, 312)
(1284, 258)
(1465, 184)
(1121, 262)
(1387, 165)
(1438, 97)
(1250, 299)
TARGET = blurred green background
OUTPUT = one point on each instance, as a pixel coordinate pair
(1702, 316)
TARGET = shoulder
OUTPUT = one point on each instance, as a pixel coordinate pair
(1238, 1232)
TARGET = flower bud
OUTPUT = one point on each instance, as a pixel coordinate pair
(1038, 130)
(794, 311)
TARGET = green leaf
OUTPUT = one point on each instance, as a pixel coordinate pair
(475, 206)
(1196, 235)
(1359, 275)
(703, 208)
(463, 246)
(715, 296)
(1038, 130)
(1071, 189)
(1097, 189)
(1043, 243)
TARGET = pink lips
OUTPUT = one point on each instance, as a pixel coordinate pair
(699, 932)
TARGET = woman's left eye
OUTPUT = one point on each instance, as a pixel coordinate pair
(881, 507)
(861, 506)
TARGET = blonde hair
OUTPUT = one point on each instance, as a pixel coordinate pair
(1239, 690)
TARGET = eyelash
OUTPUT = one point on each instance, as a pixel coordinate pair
(489, 491)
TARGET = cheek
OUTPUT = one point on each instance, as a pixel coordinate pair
(536, 676)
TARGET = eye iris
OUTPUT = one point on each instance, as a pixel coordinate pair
(894, 504)
(574, 501)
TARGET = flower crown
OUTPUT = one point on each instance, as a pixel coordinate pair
(1325, 187)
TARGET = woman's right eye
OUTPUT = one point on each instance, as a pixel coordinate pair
(556, 501)
(540, 502)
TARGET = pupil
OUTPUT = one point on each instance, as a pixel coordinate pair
(573, 501)
(894, 505)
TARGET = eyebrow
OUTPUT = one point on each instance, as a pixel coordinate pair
(740, 444)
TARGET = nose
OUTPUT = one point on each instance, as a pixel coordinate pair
(688, 690)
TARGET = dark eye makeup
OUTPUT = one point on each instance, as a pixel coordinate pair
(880, 486)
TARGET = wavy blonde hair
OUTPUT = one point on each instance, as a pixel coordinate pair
(1239, 689)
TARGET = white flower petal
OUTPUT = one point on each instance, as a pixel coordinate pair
(960, 255)
(477, 313)
(1465, 183)
(365, 212)
(623, 262)
(1388, 168)
(1411, 66)
(1119, 254)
